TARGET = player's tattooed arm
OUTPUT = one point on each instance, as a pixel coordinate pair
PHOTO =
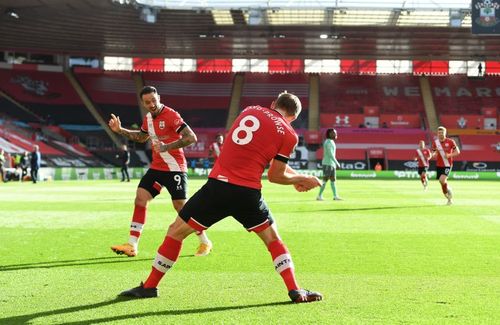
(116, 126)
(134, 135)
(188, 137)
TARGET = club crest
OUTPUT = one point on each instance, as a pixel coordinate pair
(487, 16)
(161, 125)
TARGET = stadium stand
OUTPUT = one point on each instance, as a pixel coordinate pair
(349, 94)
(466, 103)
(201, 98)
(17, 137)
(389, 108)
(47, 94)
(458, 94)
(111, 91)
(262, 89)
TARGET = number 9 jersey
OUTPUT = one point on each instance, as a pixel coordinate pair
(257, 136)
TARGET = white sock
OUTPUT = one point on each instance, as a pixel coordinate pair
(134, 241)
(202, 236)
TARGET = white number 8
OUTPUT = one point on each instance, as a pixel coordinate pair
(248, 130)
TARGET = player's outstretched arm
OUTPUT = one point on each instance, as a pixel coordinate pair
(116, 126)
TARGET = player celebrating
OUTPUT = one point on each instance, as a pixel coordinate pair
(444, 149)
(330, 164)
(422, 158)
(168, 169)
(259, 136)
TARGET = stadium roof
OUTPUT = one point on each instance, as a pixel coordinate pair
(297, 4)
(246, 29)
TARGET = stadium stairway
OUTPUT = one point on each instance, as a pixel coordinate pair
(430, 109)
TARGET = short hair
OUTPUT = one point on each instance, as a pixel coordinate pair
(442, 128)
(148, 90)
(329, 132)
(289, 102)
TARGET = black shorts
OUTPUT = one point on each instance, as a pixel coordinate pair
(442, 171)
(422, 170)
(329, 171)
(217, 200)
(175, 182)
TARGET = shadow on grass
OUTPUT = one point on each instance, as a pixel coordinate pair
(79, 262)
(377, 208)
(23, 319)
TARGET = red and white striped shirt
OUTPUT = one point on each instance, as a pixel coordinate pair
(444, 147)
(165, 127)
(215, 148)
(423, 156)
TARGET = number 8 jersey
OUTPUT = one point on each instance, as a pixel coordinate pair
(257, 136)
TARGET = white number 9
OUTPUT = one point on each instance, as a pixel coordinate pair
(248, 130)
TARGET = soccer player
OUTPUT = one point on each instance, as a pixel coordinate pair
(444, 149)
(330, 164)
(422, 158)
(216, 147)
(259, 136)
(168, 168)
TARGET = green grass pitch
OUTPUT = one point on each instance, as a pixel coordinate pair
(388, 254)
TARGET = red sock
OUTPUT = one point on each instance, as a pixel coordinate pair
(423, 178)
(168, 253)
(444, 187)
(283, 263)
(138, 220)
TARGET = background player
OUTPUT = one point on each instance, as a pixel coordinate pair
(216, 147)
(422, 157)
(444, 149)
(329, 164)
(168, 168)
(258, 136)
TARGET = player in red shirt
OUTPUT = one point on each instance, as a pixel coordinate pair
(444, 149)
(422, 157)
(168, 168)
(216, 147)
(259, 136)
